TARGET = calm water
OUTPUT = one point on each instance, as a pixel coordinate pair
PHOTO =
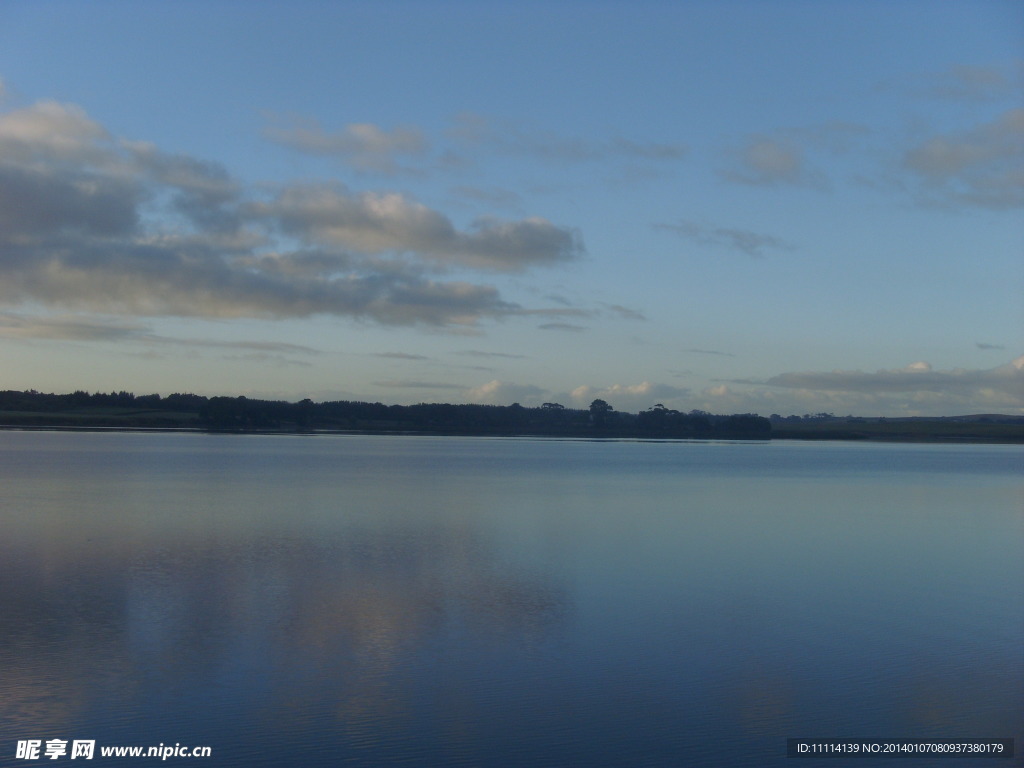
(371, 600)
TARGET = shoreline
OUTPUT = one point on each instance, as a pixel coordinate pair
(809, 437)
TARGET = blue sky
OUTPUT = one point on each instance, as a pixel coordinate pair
(772, 207)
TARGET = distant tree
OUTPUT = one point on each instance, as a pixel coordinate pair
(222, 413)
(185, 402)
(600, 411)
(148, 401)
(304, 412)
(745, 425)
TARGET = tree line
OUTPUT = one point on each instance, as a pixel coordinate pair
(241, 413)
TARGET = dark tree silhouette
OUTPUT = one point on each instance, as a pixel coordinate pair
(600, 412)
(240, 414)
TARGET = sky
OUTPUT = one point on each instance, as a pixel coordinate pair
(766, 206)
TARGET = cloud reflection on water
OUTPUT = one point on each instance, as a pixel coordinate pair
(345, 618)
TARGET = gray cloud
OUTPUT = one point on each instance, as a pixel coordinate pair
(967, 83)
(91, 328)
(711, 352)
(982, 345)
(556, 312)
(39, 202)
(630, 397)
(370, 148)
(983, 166)
(743, 240)
(558, 299)
(375, 223)
(265, 358)
(625, 313)
(262, 346)
(365, 146)
(414, 384)
(308, 264)
(400, 356)
(474, 130)
(782, 158)
(481, 353)
(90, 223)
(201, 192)
(490, 195)
(768, 161)
(648, 151)
(177, 276)
(561, 327)
(69, 328)
(1006, 380)
(836, 136)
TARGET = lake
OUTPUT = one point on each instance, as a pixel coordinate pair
(389, 600)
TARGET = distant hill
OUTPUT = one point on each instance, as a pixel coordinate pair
(985, 428)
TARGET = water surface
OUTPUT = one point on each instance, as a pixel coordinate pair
(382, 600)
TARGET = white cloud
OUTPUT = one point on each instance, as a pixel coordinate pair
(50, 132)
(631, 397)
(497, 392)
